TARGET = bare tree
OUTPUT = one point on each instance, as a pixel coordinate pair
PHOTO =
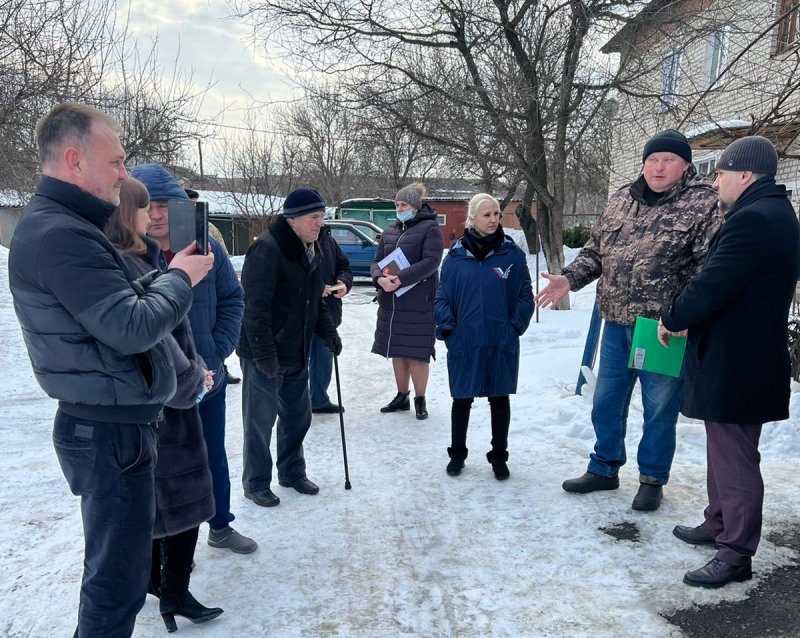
(519, 69)
(55, 50)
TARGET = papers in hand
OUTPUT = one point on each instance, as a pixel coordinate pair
(392, 264)
(648, 354)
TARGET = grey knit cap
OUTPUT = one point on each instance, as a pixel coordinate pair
(753, 153)
(411, 195)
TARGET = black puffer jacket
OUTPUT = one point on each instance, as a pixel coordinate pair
(94, 343)
(282, 299)
(184, 496)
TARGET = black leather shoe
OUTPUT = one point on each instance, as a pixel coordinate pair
(694, 535)
(420, 408)
(264, 498)
(717, 573)
(590, 483)
(648, 498)
(302, 485)
(331, 408)
(400, 402)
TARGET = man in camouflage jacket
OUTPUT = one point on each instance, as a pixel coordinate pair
(647, 244)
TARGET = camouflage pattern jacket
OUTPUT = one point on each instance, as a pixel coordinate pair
(645, 254)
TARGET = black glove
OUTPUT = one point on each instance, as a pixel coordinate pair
(267, 367)
(334, 344)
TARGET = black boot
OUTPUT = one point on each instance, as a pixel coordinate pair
(400, 402)
(498, 460)
(421, 408)
(186, 606)
(457, 458)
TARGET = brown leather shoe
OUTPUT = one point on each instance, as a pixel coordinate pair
(717, 573)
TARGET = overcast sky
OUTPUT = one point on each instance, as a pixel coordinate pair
(215, 48)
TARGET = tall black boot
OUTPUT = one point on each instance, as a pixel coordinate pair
(154, 582)
(421, 408)
(186, 606)
(177, 554)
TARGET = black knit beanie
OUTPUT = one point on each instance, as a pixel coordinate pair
(302, 201)
(669, 141)
(753, 153)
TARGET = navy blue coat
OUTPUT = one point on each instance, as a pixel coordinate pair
(216, 312)
(481, 309)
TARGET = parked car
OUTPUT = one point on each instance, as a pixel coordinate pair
(355, 243)
(368, 228)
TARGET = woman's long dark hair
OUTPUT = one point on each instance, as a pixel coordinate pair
(121, 227)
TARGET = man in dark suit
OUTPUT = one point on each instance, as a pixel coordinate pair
(737, 362)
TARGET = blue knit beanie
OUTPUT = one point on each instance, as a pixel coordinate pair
(302, 201)
(160, 183)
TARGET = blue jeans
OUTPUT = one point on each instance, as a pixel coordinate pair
(212, 413)
(284, 397)
(661, 397)
(320, 367)
(110, 466)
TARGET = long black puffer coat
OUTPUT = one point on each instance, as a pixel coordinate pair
(405, 324)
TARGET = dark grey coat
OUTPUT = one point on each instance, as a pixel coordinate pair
(184, 495)
(405, 326)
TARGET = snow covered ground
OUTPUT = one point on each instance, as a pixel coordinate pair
(409, 550)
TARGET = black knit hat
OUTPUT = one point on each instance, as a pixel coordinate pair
(302, 201)
(753, 153)
(669, 141)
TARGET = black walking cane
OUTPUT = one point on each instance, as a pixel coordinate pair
(347, 485)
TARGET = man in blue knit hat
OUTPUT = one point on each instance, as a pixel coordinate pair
(283, 309)
(215, 316)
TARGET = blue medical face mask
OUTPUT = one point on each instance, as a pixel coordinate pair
(405, 215)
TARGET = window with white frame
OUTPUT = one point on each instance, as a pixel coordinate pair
(669, 81)
(716, 55)
(706, 164)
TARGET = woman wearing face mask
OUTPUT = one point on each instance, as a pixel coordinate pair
(184, 496)
(404, 331)
(483, 305)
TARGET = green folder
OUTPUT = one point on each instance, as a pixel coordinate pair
(649, 355)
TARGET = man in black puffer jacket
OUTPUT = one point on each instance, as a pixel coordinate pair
(283, 308)
(97, 346)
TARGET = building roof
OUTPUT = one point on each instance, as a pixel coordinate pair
(655, 12)
(717, 135)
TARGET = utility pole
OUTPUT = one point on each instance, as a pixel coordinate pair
(200, 154)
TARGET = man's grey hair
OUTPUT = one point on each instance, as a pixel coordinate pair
(68, 123)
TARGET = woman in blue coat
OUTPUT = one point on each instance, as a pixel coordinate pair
(483, 304)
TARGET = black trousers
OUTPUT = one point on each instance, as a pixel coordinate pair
(110, 466)
(500, 409)
(171, 565)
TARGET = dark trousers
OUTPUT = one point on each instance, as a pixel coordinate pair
(110, 466)
(500, 409)
(320, 368)
(171, 564)
(212, 413)
(284, 397)
(735, 490)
